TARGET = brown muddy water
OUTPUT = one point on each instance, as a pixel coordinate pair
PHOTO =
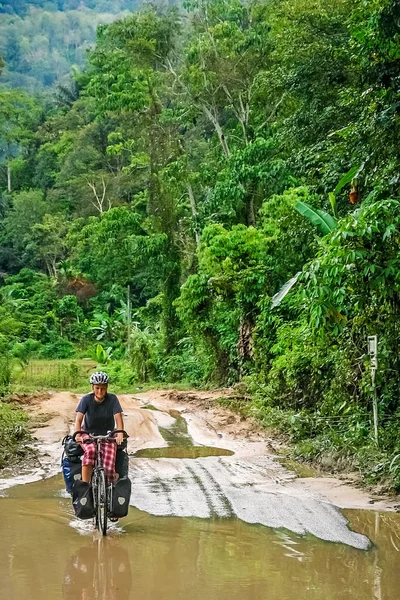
(48, 555)
(182, 452)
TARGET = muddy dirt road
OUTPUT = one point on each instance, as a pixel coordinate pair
(180, 469)
(213, 515)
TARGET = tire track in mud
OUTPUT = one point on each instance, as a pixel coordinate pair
(218, 502)
(224, 488)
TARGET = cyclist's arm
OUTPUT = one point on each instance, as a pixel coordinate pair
(78, 424)
(119, 422)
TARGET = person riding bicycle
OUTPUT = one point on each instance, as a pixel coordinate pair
(98, 413)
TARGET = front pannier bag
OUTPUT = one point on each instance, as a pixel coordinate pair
(82, 500)
(71, 463)
(121, 494)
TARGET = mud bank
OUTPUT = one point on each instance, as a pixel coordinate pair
(205, 418)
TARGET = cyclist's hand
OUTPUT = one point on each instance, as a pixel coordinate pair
(120, 438)
(78, 438)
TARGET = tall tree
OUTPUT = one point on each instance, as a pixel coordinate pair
(19, 114)
(128, 79)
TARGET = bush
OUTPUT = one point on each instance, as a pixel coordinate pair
(5, 374)
(186, 365)
(26, 350)
(145, 345)
(60, 348)
(13, 429)
(121, 374)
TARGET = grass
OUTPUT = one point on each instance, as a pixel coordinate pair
(52, 374)
(73, 375)
(13, 433)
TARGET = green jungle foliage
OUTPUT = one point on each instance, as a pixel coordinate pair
(42, 40)
(13, 431)
(203, 162)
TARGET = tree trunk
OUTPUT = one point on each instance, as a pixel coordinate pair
(9, 176)
(195, 214)
(218, 129)
(251, 217)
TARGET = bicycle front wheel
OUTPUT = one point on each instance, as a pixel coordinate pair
(101, 501)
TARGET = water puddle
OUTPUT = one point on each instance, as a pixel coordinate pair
(180, 443)
(47, 555)
(182, 452)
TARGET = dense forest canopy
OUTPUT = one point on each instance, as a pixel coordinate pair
(41, 41)
(21, 7)
(215, 199)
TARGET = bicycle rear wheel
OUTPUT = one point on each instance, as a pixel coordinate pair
(101, 501)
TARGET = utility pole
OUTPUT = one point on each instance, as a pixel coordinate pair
(373, 352)
(128, 318)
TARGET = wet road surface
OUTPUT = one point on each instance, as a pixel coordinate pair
(48, 555)
(211, 517)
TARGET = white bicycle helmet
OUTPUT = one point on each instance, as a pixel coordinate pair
(99, 378)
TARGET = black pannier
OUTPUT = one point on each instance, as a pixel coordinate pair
(82, 500)
(121, 494)
(72, 449)
(122, 463)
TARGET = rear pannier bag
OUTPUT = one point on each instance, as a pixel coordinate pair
(72, 449)
(71, 472)
(122, 463)
(82, 500)
(121, 494)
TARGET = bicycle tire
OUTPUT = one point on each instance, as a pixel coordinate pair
(101, 501)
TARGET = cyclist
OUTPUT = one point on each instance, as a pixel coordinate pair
(98, 413)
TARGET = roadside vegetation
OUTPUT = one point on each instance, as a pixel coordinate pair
(14, 433)
(214, 200)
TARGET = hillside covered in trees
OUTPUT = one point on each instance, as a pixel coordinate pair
(235, 167)
(42, 40)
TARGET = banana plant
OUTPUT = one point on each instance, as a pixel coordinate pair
(320, 218)
(285, 289)
(103, 355)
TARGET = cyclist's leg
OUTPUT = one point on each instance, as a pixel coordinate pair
(88, 461)
(109, 453)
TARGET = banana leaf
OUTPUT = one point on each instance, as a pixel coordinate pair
(285, 289)
(321, 219)
(347, 178)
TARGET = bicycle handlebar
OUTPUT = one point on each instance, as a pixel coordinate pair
(109, 436)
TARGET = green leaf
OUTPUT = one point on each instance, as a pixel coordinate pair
(101, 354)
(321, 219)
(347, 178)
(332, 200)
(285, 289)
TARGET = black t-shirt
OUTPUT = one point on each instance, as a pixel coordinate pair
(99, 416)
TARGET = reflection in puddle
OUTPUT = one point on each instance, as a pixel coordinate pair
(182, 452)
(98, 571)
(177, 433)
